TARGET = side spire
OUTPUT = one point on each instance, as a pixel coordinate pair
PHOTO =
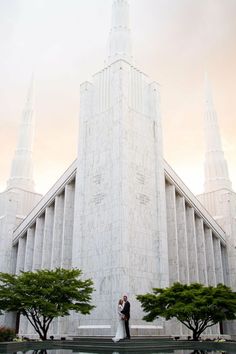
(21, 175)
(119, 45)
(216, 168)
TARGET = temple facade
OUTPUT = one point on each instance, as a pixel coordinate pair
(119, 212)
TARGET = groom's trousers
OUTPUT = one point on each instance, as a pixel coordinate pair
(127, 328)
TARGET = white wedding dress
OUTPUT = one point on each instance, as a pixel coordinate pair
(120, 332)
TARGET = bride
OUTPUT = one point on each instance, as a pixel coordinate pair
(120, 332)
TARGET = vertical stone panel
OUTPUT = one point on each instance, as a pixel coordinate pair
(56, 256)
(21, 257)
(86, 107)
(225, 265)
(192, 245)
(172, 234)
(47, 237)
(57, 232)
(182, 239)
(173, 327)
(14, 258)
(29, 249)
(201, 251)
(21, 254)
(87, 103)
(218, 260)
(38, 242)
(159, 186)
(211, 276)
(68, 222)
(8, 223)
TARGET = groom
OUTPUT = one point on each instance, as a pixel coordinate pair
(126, 313)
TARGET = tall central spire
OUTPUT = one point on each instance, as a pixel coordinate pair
(216, 169)
(22, 165)
(119, 46)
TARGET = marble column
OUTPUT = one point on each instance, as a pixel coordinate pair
(182, 245)
(173, 326)
(210, 257)
(172, 234)
(201, 252)
(68, 222)
(57, 231)
(47, 237)
(182, 239)
(56, 247)
(192, 245)
(29, 249)
(225, 265)
(21, 255)
(21, 258)
(38, 243)
(218, 260)
(14, 259)
(67, 239)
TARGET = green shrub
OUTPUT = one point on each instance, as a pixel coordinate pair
(6, 334)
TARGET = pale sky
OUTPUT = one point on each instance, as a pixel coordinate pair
(64, 43)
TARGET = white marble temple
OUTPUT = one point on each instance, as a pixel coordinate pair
(120, 212)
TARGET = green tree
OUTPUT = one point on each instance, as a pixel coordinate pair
(44, 295)
(196, 306)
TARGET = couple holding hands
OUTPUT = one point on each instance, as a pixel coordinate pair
(123, 311)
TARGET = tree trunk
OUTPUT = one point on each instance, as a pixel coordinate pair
(17, 322)
(44, 334)
(195, 336)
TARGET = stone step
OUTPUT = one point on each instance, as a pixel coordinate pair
(105, 345)
(135, 343)
(138, 345)
(138, 339)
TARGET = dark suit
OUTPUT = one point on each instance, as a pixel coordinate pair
(126, 312)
